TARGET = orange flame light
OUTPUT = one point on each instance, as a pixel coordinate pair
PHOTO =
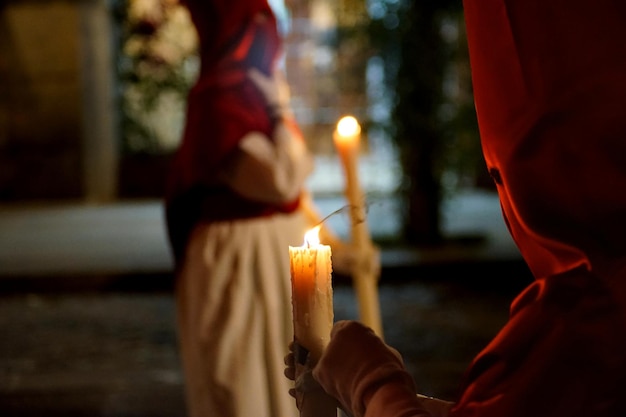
(348, 126)
(312, 237)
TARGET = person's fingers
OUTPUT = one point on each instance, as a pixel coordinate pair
(290, 369)
(306, 383)
(356, 363)
(290, 373)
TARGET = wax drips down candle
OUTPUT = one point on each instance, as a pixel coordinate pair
(312, 293)
(312, 299)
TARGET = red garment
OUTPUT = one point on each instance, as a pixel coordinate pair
(223, 106)
(549, 83)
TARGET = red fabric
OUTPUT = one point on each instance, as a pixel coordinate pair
(550, 92)
(219, 24)
(222, 107)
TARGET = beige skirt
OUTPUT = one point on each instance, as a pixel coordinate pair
(233, 298)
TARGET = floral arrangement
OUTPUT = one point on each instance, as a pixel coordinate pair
(157, 65)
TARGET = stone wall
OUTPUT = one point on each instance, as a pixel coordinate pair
(44, 103)
(40, 110)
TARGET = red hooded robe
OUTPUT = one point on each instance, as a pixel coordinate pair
(223, 106)
(550, 91)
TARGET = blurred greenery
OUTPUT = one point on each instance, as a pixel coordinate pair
(433, 122)
(422, 47)
(156, 66)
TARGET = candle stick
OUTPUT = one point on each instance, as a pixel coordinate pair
(312, 302)
(312, 294)
(347, 140)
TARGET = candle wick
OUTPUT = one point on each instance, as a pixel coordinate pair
(338, 211)
(345, 208)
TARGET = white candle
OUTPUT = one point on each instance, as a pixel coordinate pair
(312, 302)
(347, 138)
(312, 293)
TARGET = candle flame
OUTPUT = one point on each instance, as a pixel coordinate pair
(312, 238)
(348, 126)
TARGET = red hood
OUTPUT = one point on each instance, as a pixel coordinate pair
(550, 110)
(232, 36)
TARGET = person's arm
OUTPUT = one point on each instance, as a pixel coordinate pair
(271, 169)
(267, 170)
(368, 377)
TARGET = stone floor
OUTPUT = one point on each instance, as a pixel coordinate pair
(114, 353)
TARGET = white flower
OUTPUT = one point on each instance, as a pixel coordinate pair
(140, 10)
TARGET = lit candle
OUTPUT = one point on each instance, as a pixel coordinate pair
(312, 293)
(347, 139)
(312, 302)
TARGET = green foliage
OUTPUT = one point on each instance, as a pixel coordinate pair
(156, 66)
(423, 47)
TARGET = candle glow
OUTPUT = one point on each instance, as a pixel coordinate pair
(348, 126)
(347, 137)
(312, 237)
(347, 134)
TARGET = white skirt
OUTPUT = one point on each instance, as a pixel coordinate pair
(233, 298)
